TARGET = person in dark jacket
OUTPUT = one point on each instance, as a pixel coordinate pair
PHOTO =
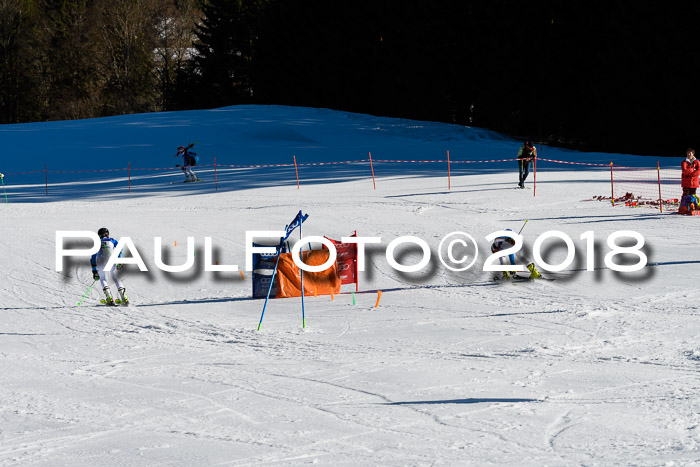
(189, 159)
(526, 155)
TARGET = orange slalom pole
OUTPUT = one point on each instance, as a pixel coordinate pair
(372, 166)
(379, 297)
(296, 171)
(449, 183)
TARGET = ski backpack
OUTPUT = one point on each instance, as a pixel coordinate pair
(688, 203)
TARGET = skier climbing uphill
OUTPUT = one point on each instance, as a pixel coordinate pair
(189, 160)
(98, 262)
(503, 243)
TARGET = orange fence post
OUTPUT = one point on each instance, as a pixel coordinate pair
(449, 184)
(372, 166)
(296, 171)
(612, 186)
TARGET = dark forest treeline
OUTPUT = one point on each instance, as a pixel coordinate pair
(599, 75)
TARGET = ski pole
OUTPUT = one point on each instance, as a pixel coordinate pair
(274, 272)
(88, 291)
(521, 228)
(3, 187)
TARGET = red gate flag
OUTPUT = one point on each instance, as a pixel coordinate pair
(346, 260)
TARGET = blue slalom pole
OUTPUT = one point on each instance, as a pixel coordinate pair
(272, 281)
(303, 314)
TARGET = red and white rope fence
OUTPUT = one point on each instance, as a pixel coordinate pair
(648, 183)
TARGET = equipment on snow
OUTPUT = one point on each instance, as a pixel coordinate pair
(122, 292)
(115, 303)
(529, 279)
(88, 291)
(689, 204)
(108, 296)
(188, 181)
(534, 273)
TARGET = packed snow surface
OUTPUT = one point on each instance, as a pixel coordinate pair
(594, 368)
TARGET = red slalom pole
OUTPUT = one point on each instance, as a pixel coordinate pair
(658, 172)
(534, 178)
(357, 276)
(372, 166)
(449, 183)
(296, 171)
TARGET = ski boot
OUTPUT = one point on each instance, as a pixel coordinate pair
(108, 297)
(122, 293)
(534, 273)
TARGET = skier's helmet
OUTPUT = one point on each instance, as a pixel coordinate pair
(528, 144)
(103, 232)
(181, 149)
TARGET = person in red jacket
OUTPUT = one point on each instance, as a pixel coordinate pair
(690, 168)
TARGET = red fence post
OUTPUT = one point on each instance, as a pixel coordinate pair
(658, 171)
(372, 166)
(46, 179)
(449, 183)
(534, 178)
(128, 168)
(216, 181)
(612, 186)
(296, 171)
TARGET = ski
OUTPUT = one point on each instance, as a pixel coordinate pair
(117, 302)
(188, 181)
(528, 279)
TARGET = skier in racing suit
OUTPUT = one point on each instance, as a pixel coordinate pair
(503, 243)
(100, 259)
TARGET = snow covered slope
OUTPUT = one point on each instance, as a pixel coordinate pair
(594, 368)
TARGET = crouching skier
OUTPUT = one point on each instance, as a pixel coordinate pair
(503, 243)
(100, 259)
